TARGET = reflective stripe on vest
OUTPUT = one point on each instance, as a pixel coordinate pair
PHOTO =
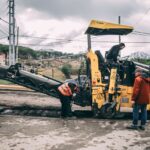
(65, 89)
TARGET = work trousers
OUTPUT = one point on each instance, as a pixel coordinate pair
(136, 109)
(65, 105)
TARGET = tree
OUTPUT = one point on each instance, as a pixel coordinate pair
(143, 61)
(66, 70)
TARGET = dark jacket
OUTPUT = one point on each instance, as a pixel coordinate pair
(141, 90)
(113, 53)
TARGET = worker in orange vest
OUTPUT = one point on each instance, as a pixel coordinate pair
(65, 92)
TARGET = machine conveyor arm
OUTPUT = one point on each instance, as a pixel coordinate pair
(30, 80)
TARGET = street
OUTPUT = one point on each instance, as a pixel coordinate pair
(44, 133)
(37, 133)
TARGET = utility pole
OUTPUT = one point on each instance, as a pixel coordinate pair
(89, 41)
(119, 21)
(17, 44)
(11, 7)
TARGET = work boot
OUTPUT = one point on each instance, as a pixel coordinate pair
(66, 115)
(69, 114)
(133, 127)
(142, 127)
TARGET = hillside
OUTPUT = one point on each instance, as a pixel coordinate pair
(46, 62)
(28, 53)
(140, 57)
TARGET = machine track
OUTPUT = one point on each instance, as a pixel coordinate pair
(40, 112)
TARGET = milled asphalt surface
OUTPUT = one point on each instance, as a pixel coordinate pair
(46, 133)
(30, 133)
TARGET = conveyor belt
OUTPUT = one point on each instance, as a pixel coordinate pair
(29, 80)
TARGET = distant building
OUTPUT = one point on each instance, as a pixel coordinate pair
(2, 59)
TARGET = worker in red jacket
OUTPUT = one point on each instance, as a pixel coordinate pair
(140, 99)
(66, 92)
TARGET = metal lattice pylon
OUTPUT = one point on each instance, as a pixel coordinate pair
(11, 32)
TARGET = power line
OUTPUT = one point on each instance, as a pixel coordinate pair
(139, 34)
(35, 45)
(147, 33)
(64, 41)
(3, 29)
(145, 13)
(4, 20)
(143, 42)
(38, 37)
(70, 40)
(3, 37)
(8, 22)
(5, 33)
(30, 44)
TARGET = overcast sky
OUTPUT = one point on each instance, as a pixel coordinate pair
(62, 23)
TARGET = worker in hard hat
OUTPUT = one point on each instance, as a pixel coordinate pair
(140, 99)
(66, 91)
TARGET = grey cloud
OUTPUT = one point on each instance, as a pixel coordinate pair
(64, 38)
(38, 40)
(86, 9)
(73, 34)
(3, 15)
(3, 8)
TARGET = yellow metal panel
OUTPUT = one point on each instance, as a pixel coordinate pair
(105, 28)
(108, 25)
(130, 90)
(96, 81)
(148, 107)
(112, 81)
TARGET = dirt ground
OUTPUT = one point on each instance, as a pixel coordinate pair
(45, 133)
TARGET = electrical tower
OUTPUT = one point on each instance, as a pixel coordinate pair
(11, 7)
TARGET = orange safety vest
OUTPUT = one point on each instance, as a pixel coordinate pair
(65, 90)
